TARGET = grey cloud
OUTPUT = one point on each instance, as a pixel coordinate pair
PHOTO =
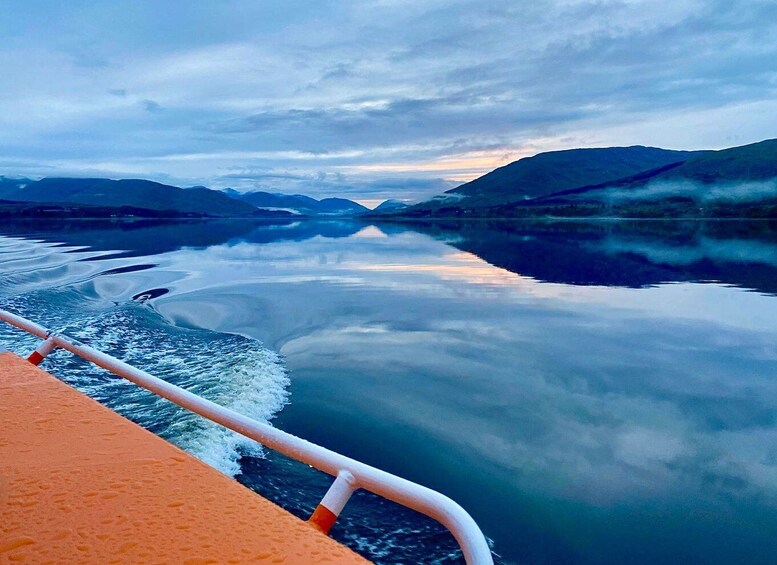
(399, 84)
(405, 120)
(151, 106)
(88, 59)
(260, 176)
(338, 72)
(322, 184)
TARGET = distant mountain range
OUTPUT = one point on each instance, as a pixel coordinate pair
(299, 204)
(391, 206)
(624, 182)
(619, 182)
(98, 197)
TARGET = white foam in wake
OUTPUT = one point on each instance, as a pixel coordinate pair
(233, 371)
(255, 386)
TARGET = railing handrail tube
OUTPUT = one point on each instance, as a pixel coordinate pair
(422, 499)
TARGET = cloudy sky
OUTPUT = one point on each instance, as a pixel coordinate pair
(371, 100)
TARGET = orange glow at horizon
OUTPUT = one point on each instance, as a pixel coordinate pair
(370, 203)
(466, 166)
(459, 167)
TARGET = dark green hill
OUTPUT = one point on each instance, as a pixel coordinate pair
(754, 162)
(10, 185)
(340, 206)
(390, 206)
(128, 192)
(738, 173)
(555, 171)
(262, 199)
(737, 182)
(300, 204)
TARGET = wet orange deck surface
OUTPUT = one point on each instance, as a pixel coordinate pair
(81, 484)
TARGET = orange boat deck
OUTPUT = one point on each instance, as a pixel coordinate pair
(81, 484)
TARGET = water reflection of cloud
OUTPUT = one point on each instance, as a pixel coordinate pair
(595, 394)
(575, 427)
(607, 397)
(370, 232)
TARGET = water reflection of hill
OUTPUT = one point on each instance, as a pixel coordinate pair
(609, 253)
(151, 237)
(621, 253)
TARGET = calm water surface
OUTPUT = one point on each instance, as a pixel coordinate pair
(591, 393)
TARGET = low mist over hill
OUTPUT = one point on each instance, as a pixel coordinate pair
(299, 204)
(561, 170)
(736, 182)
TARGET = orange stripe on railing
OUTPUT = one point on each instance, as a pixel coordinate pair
(35, 358)
(43, 349)
(323, 518)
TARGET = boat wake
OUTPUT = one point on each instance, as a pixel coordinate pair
(231, 370)
(107, 301)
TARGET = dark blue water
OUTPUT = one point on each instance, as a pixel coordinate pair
(590, 392)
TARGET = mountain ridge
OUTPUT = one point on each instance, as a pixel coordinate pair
(586, 182)
(138, 193)
(152, 198)
(553, 171)
(703, 183)
(299, 203)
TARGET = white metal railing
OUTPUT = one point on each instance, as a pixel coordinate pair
(350, 475)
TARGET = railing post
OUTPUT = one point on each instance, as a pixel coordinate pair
(43, 349)
(326, 513)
